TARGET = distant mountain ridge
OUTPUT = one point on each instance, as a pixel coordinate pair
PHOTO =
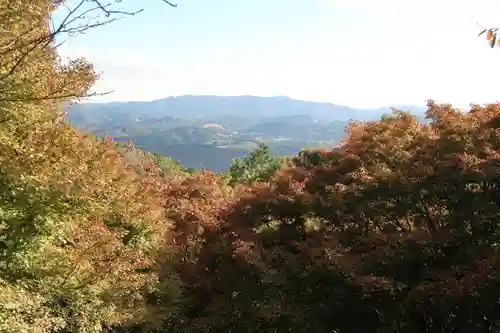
(209, 131)
(206, 106)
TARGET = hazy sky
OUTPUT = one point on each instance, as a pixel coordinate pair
(362, 53)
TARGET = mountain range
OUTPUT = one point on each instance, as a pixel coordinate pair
(207, 132)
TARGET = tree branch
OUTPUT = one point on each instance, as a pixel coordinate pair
(53, 96)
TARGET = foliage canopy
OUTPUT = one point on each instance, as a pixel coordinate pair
(394, 230)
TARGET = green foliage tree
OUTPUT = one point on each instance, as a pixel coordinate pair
(258, 166)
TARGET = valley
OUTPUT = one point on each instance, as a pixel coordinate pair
(208, 132)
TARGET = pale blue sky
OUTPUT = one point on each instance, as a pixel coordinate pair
(362, 53)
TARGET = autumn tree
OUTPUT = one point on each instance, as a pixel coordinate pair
(395, 230)
(31, 30)
(78, 227)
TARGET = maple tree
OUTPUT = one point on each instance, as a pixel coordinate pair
(394, 230)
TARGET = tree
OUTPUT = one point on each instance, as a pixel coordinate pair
(258, 166)
(396, 230)
(28, 29)
(77, 225)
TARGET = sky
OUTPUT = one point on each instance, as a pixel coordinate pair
(360, 53)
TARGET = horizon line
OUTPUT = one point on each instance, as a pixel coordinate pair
(254, 96)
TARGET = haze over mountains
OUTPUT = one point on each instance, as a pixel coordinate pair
(207, 132)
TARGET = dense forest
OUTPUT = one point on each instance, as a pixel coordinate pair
(394, 230)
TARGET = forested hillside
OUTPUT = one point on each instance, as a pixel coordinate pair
(394, 230)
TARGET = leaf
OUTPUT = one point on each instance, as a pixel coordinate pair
(493, 40)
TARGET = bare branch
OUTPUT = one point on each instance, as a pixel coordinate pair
(53, 96)
(169, 3)
(111, 12)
